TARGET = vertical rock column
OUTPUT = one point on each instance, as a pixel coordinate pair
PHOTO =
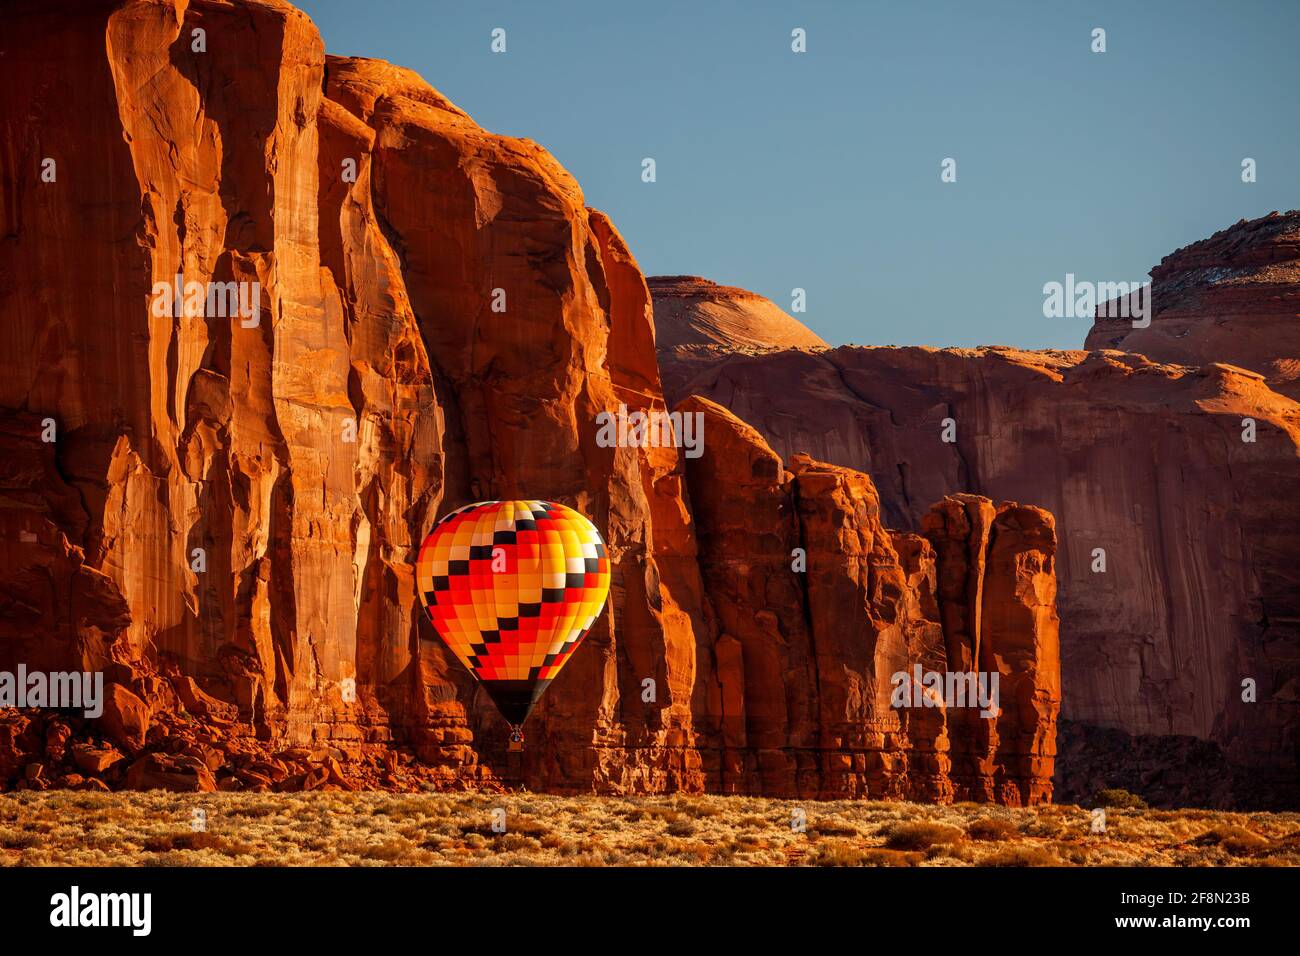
(997, 599)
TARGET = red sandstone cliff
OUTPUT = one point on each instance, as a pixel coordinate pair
(1145, 460)
(440, 320)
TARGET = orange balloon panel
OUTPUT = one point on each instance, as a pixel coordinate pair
(512, 587)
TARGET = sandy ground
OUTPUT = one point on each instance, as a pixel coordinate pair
(376, 829)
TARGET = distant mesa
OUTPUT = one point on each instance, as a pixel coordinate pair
(690, 310)
(1232, 298)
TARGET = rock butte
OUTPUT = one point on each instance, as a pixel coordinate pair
(1136, 455)
(296, 658)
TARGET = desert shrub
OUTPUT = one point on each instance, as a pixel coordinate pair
(724, 855)
(200, 840)
(255, 810)
(18, 841)
(992, 829)
(511, 842)
(920, 835)
(950, 851)
(846, 853)
(1021, 856)
(1118, 799)
(180, 841)
(402, 807)
(666, 814)
(527, 826)
(694, 848)
(1234, 839)
(1071, 853)
(92, 801)
(838, 853)
(1051, 827)
(389, 851)
(681, 828)
(1289, 841)
(482, 829)
(832, 827)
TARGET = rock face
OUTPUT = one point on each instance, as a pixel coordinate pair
(1234, 298)
(808, 705)
(516, 379)
(690, 311)
(1144, 461)
(219, 507)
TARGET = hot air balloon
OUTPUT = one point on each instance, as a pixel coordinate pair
(512, 587)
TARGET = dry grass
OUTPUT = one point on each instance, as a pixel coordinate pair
(379, 829)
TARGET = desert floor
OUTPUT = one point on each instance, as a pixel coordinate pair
(439, 829)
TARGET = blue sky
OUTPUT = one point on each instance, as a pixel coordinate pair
(821, 170)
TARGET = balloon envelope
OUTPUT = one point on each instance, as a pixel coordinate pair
(512, 587)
